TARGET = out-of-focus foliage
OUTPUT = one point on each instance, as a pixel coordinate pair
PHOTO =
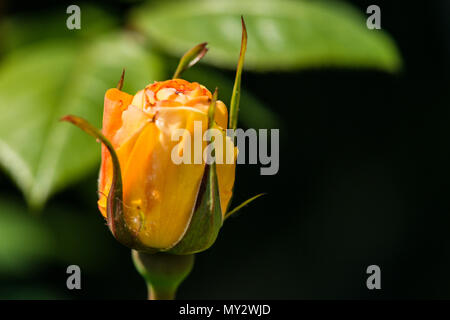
(24, 241)
(14, 33)
(42, 82)
(49, 71)
(283, 34)
(27, 241)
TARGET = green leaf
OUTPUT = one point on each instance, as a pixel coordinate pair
(42, 26)
(41, 83)
(282, 34)
(32, 291)
(63, 235)
(24, 240)
(252, 112)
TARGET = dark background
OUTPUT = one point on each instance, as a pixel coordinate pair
(364, 179)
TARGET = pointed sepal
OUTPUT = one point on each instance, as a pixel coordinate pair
(236, 95)
(190, 58)
(243, 204)
(115, 215)
(212, 108)
(122, 77)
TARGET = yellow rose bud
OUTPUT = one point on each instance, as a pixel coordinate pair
(160, 196)
(166, 198)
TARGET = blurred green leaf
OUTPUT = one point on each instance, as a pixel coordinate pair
(41, 26)
(63, 235)
(42, 291)
(282, 34)
(41, 83)
(24, 241)
(252, 112)
(79, 237)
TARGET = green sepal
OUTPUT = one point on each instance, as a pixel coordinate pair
(243, 204)
(236, 95)
(206, 219)
(114, 205)
(122, 77)
(191, 57)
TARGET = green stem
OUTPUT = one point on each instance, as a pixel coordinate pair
(160, 293)
(162, 272)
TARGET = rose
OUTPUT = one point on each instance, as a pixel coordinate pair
(159, 196)
(167, 210)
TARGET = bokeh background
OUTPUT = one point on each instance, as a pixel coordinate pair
(364, 157)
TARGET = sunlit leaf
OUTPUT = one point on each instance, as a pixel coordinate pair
(282, 34)
(41, 83)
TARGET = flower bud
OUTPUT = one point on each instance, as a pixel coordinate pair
(157, 193)
(161, 197)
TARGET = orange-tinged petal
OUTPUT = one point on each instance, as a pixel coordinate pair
(202, 104)
(221, 114)
(123, 153)
(133, 119)
(225, 177)
(115, 103)
(159, 195)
